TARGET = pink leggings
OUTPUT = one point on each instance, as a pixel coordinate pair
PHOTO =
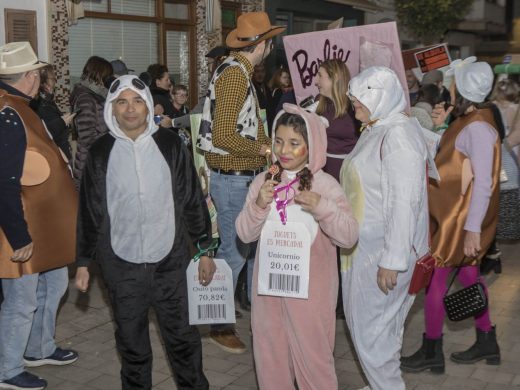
(434, 312)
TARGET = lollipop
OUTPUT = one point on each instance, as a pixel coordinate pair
(274, 170)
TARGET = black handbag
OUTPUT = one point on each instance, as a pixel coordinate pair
(465, 303)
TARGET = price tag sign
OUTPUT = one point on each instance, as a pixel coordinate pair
(284, 259)
(212, 304)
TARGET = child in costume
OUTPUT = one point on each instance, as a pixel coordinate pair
(293, 338)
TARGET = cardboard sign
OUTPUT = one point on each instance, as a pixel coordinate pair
(433, 58)
(305, 52)
(409, 59)
(214, 303)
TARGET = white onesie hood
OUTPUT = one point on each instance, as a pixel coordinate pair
(378, 88)
(138, 86)
(138, 184)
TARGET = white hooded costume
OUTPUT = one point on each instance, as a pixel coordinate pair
(384, 178)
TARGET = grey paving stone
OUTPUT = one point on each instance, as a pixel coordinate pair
(85, 324)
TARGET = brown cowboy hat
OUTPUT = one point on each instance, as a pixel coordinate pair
(252, 28)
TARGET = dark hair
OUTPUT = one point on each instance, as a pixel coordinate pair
(274, 83)
(45, 74)
(97, 70)
(250, 49)
(298, 124)
(145, 78)
(462, 104)
(429, 93)
(156, 72)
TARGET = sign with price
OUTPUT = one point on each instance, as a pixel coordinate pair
(284, 259)
(214, 303)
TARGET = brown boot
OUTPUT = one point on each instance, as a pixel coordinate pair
(227, 340)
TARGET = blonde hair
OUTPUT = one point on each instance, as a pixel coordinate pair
(507, 90)
(340, 76)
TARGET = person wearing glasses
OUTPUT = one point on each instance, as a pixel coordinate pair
(179, 100)
(384, 178)
(135, 227)
(44, 105)
(235, 144)
(38, 207)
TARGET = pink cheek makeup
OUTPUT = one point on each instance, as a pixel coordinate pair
(300, 152)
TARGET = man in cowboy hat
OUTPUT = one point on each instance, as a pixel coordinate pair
(38, 206)
(233, 138)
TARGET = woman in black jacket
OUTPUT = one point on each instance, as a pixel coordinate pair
(160, 89)
(88, 100)
(44, 105)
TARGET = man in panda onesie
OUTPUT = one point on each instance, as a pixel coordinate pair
(140, 199)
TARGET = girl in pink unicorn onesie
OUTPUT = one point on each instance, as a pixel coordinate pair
(293, 335)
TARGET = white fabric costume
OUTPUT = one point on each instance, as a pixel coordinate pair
(385, 181)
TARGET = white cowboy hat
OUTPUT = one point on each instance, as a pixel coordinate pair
(18, 57)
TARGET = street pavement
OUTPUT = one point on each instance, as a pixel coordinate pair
(85, 324)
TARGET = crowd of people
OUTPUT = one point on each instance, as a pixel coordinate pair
(348, 172)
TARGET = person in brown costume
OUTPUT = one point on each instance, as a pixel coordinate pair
(38, 207)
(463, 212)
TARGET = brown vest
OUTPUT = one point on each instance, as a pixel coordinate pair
(449, 208)
(49, 199)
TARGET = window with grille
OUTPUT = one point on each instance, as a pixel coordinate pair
(20, 25)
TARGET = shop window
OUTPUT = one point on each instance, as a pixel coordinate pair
(177, 56)
(177, 9)
(139, 32)
(133, 42)
(123, 7)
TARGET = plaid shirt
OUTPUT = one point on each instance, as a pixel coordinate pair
(230, 92)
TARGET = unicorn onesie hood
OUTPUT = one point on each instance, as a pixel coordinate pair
(317, 137)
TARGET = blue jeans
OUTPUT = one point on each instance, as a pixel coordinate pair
(28, 318)
(229, 195)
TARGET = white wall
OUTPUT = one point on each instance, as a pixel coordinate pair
(41, 8)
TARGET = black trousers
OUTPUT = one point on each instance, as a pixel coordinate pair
(135, 288)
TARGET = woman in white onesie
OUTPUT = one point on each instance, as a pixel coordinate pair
(384, 178)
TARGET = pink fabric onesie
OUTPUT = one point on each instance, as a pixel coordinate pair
(293, 339)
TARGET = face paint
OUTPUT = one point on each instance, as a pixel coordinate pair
(300, 152)
(290, 148)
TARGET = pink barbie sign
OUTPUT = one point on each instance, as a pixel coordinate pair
(359, 47)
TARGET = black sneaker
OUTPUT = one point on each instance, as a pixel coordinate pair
(60, 357)
(23, 381)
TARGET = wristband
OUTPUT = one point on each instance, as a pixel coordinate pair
(209, 251)
(441, 127)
